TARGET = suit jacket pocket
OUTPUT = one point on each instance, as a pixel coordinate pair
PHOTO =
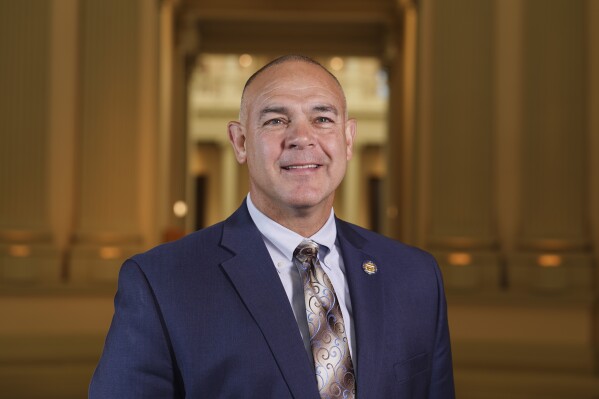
(409, 368)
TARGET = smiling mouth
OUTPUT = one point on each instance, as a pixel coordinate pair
(310, 166)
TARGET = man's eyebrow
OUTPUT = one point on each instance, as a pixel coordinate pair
(274, 110)
(326, 108)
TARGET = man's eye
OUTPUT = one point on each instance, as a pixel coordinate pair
(323, 119)
(274, 122)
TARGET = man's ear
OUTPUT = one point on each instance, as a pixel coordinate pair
(237, 139)
(350, 135)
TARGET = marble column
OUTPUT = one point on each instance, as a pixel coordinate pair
(455, 138)
(399, 218)
(28, 254)
(182, 57)
(593, 116)
(117, 137)
(230, 182)
(553, 238)
(351, 187)
(508, 123)
(593, 151)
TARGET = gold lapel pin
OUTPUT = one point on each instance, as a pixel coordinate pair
(369, 267)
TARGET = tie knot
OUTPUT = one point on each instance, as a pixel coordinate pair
(306, 251)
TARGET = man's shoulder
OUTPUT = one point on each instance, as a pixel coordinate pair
(379, 243)
(196, 245)
(200, 249)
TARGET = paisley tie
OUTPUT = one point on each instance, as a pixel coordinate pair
(332, 361)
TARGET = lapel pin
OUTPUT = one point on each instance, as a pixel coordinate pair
(369, 267)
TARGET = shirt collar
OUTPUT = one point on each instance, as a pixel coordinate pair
(287, 240)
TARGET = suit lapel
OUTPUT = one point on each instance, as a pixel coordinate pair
(254, 276)
(366, 291)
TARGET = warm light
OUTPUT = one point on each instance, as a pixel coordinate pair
(336, 63)
(459, 259)
(549, 260)
(19, 251)
(245, 60)
(180, 209)
(110, 253)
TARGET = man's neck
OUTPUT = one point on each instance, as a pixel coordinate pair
(304, 221)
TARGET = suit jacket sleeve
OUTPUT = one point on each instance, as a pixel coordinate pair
(137, 360)
(442, 386)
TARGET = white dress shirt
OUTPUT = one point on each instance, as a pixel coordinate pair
(281, 242)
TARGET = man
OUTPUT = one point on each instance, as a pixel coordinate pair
(281, 300)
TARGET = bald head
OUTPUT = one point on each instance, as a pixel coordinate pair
(277, 62)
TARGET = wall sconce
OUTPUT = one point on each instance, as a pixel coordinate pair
(180, 209)
(19, 251)
(549, 260)
(245, 60)
(336, 63)
(459, 259)
(109, 253)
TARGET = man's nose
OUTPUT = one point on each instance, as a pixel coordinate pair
(300, 134)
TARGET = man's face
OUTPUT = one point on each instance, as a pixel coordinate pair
(295, 138)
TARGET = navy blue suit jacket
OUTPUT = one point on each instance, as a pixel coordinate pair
(207, 317)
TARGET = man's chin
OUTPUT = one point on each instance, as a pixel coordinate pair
(307, 203)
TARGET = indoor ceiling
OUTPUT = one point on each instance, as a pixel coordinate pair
(313, 27)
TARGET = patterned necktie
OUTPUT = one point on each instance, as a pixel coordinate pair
(332, 360)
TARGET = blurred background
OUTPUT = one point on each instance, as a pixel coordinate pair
(478, 140)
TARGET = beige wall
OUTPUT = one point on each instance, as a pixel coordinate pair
(492, 164)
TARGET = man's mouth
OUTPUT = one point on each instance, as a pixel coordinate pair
(309, 166)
